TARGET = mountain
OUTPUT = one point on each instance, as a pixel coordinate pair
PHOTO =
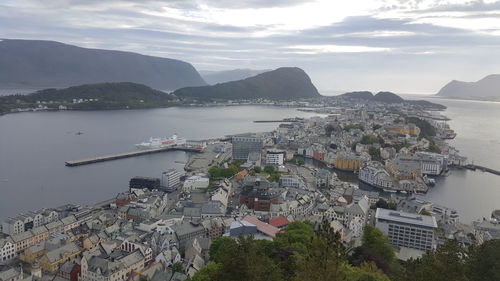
(216, 77)
(91, 96)
(390, 98)
(42, 64)
(281, 84)
(487, 88)
(363, 95)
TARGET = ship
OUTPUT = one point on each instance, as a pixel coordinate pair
(161, 142)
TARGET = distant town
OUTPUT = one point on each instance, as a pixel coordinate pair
(255, 185)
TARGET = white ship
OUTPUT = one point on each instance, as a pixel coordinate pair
(161, 142)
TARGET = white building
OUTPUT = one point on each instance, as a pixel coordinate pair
(275, 157)
(199, 181)
(406, 229)
(7, 250)
(374, 173)
(170, 178)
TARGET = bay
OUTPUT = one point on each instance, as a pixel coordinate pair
(35, 145)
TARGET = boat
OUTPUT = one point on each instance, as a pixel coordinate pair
(429, 181)
(153, 143)
(79, 133)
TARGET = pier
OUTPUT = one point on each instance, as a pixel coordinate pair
(482, 168)
(110, 157)
(286, 120)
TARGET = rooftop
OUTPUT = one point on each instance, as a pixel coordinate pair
(402, 217)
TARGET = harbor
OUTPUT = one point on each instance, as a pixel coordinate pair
(110, 157)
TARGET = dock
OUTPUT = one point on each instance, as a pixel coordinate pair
(482, 168)
(286, 120)
(110, 157)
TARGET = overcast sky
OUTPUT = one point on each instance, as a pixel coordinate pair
(413, 46)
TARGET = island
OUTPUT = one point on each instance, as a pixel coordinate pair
(486, 89)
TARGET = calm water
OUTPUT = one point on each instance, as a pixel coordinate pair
(34, 146)
(473, 194)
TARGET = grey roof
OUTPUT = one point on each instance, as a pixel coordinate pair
(211, 207)
(4, 241)
(402, 217)
(39, 230)
(22, 236)
(186, 228)
(58, 253)
(68, 220)
(109, 266)
(9, 274)
(192, 212)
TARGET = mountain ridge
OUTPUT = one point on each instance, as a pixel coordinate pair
(487, 88)
(284, 83)
(213, 77)
(389, 98)
(43, 63)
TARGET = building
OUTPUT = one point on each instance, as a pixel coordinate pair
(7, 250)
(144, 183)
(275, 157)
(406, 229)
(292, 181)
(259, 195)
(374, 174)
(13, 274)
(195, 182)
(51, 260)
(347, 161)
(170, 178)
(244, 144)
(186, 231)
(115, 267)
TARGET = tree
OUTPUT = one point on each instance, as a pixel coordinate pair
(257, 169)
(376, 248)
(177, 267)
(219, 248)
(209, 272)
(381, 203)
(484, 263)
(269, 169)
(448, 262)
(376, 241)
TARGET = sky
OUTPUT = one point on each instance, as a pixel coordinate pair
(404, 46)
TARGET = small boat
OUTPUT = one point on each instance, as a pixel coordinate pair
(79, 133)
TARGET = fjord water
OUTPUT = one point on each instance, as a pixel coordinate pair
(473, 193)
(34, 146)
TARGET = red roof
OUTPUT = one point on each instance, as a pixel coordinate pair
(263, 227)
(279, 221)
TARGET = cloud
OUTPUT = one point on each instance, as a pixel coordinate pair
(433, 40)
(322, 49)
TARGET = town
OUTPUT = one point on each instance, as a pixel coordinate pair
(357, 165)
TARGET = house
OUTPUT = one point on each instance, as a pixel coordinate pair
(69, 271)
(7, 250)
(51, 260)
(279, 222)
(116, 266)
(262, 227)
(169, 256)
(241, 174)
(186, 231)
